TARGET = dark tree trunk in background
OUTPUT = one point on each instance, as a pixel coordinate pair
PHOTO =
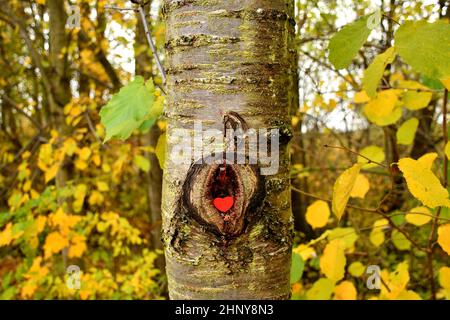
(154, 177)
(228, 56)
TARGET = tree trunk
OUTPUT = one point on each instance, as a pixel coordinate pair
(229, 63)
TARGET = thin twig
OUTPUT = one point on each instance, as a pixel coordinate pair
(121, 9)
(150, 43)
(143, 19)
(356, 153)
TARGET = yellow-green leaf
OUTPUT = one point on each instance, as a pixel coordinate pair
(422, 182)
(356, 269)
(343, 188)
(374, 73)
(322, 289)
(344, 45)
(160, 150)
(348, 236)
(142, 163)
(418, 216)
(444, 237)
(407, 131)
(415, 96)
(377, 233)
(447, 150)
(332, 262)
(400, 241)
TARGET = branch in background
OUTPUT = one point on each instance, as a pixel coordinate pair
(150, 43)
(13, 104)
(356, 153)
(143, 19)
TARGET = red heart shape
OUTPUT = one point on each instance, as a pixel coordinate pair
(223, 204)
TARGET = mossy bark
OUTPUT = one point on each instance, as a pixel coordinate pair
(229, 56)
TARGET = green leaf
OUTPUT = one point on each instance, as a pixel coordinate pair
(407, 131)
(8, 294)
(374, 73)
(153, 115)
(297, 267)
(160, 150)
(128, 109)
(142, 163)
(346, 42)
(400, 241)
(426, 47)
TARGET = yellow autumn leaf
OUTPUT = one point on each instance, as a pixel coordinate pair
(447, 150)
(396, 281)
(102, 186)
(306, 252)
(427, 160)
(96, 198)
(317, 214)
(79, 195)
(444, 277)
(322, 289)
(51, 172)
(444, 237)
(97, 160)
(446, 83)
(70, 146)
(64, 221)
(345, 291)
(332, 262)
(416, 96)
(418, 216)
(422, 182)
(6, 235)
(54, 243)
(383, 110)
(361, 97)
(85, 153)
(361, 187)
(372, 153)
(408, 295)
(80, 164)
(28, 289)
(377, 233)
(77, 246)
(343, 188)
(36, 271)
